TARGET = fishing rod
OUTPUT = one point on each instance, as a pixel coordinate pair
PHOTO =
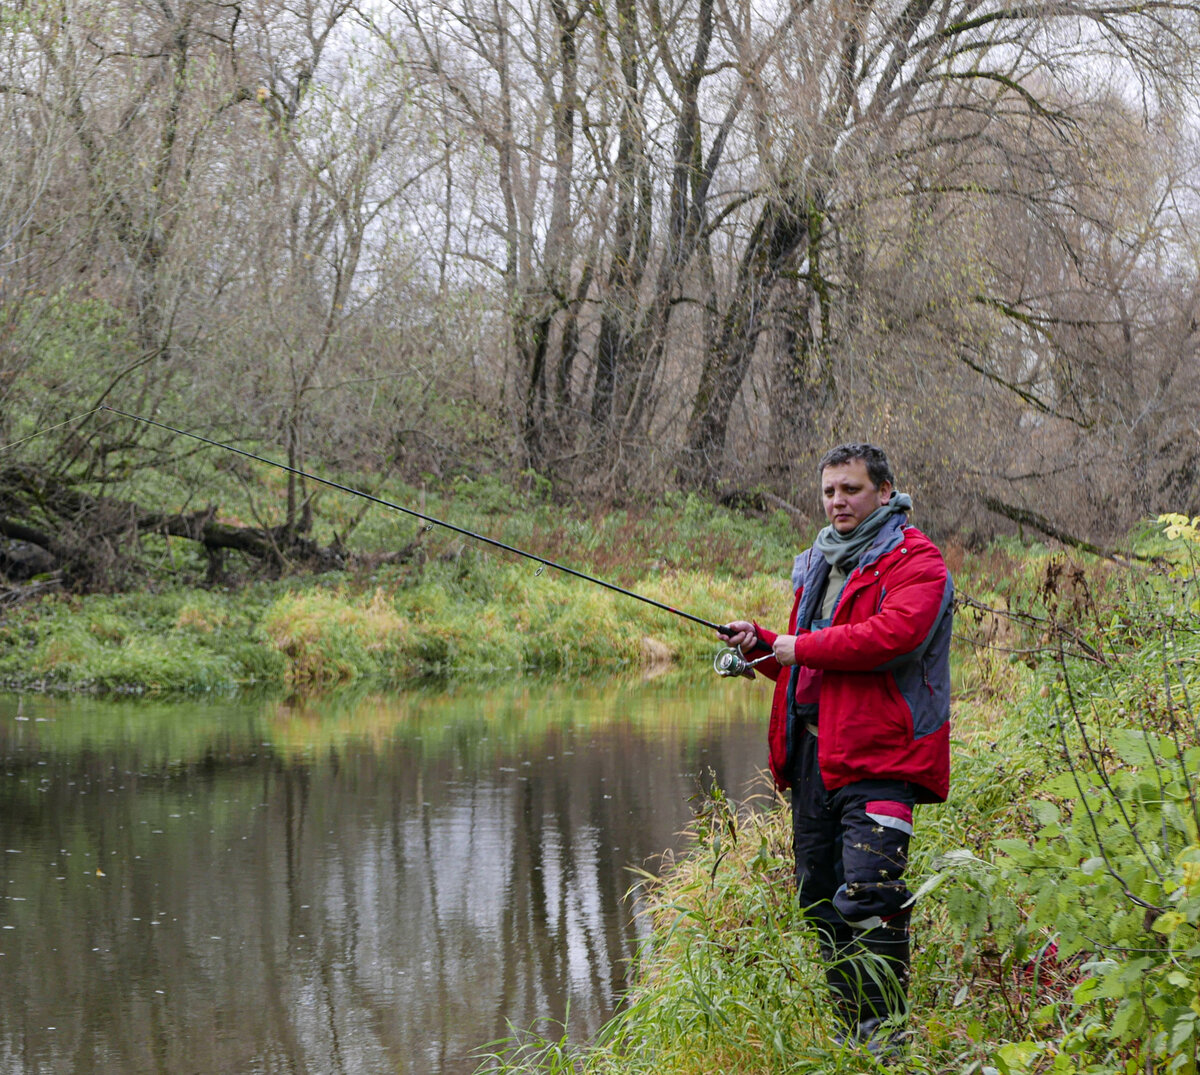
(721, 629)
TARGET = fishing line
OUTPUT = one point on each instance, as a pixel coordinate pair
(719, 628)
(48, 429)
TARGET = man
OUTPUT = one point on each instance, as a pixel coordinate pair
(860, 729)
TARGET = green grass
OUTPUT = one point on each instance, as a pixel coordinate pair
(456, 607)
(174, 641)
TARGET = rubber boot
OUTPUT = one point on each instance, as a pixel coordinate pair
(883, 960)
(836, 946)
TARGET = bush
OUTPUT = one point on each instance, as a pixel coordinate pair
(1100, 892)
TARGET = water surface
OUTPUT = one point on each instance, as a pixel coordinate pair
(371, 883)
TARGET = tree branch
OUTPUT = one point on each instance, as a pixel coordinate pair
(1027, 517)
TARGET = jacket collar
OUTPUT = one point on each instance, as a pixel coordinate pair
(811, 569)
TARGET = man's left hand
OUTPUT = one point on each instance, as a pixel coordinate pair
(785, 649)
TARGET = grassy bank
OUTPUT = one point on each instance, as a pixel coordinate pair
(449, 606)
(1059, 888)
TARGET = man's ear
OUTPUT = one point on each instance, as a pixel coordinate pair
(885, 491)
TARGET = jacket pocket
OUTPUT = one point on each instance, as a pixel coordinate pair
(808, 686)
(922, 696)
(871, 721)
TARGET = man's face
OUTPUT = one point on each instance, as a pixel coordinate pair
(848, 495)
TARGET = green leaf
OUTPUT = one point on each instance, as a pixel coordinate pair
(1130, 1021)
(960, 856)
(1134, 747)
(1020, 948)
(1183, 1028)
(1045, 1014)
(1045, 813)
(1116, 983)
(1015, 1056)
(1064, 786)
(1168, 923)
(1017, 850)
(1093, 865)
(927, 886)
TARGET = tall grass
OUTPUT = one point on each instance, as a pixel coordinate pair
(454, 608)
(1058, 922)
(178, 641)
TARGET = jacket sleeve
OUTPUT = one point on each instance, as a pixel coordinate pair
(913, 597)
(766, 643)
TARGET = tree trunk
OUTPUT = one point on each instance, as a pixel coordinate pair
(780, 232)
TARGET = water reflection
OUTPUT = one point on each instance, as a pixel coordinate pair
(371, 884)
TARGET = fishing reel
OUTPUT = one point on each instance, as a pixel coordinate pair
(731, 662)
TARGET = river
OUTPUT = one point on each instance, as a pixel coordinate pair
(355, 883)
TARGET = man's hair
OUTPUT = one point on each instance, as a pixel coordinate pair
(879, 470)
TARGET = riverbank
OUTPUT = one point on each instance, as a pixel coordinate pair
(448, 607)
(1060, 886)
(1057, 924)
(334, 632)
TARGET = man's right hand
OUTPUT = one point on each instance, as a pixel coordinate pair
(740, 634)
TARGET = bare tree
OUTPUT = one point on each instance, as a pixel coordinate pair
(622, 243)
(912, 104)
(217, 234)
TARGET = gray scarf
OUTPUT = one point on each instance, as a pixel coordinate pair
(844, 550)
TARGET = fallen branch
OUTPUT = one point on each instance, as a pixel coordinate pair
(759, 500)
(57, 526)
(1027, 517)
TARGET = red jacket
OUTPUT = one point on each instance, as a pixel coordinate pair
(879, 674)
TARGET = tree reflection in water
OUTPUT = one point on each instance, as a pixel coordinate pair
(357, 884)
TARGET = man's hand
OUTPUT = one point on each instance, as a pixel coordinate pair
(785, 650)
(739, 633)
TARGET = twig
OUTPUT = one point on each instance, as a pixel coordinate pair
(1100, 772)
